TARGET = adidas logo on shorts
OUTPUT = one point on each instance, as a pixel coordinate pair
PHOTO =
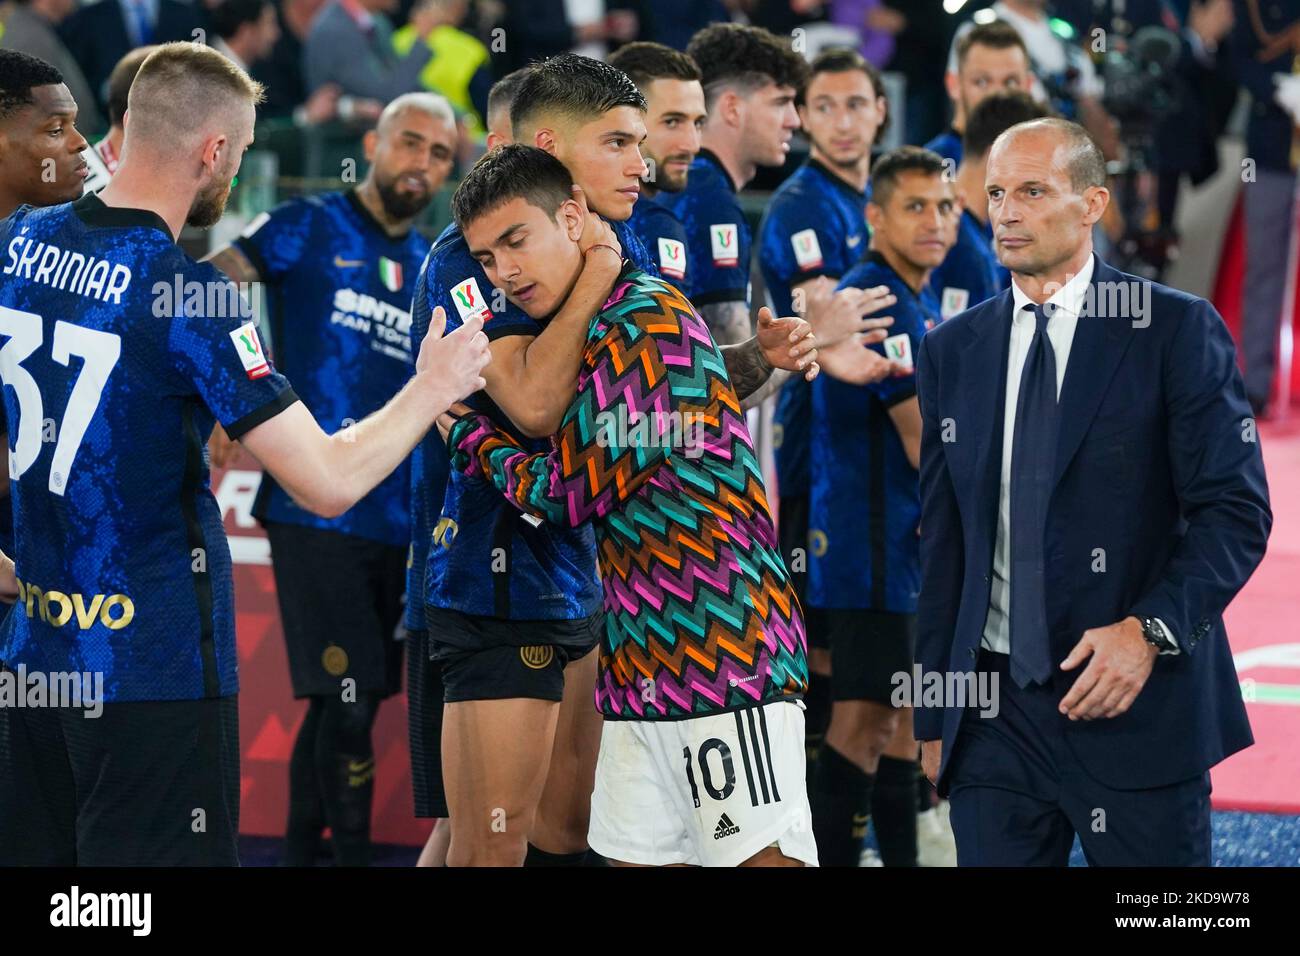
(725, 828)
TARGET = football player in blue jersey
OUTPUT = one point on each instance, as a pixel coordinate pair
(864, 508)
(122, 572)
(814, 230)
(340, 269)
(990, 58)
(675, 115)
(514, 608)
(971, 272)
(41, 164)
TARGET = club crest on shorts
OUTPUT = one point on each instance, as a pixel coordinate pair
(722, 239)
(807, 250)
(537, 656)
(898, 348)
(335, 661)
(469, 301)
(390, 274)
(249, 347)
(672, 257)
(954, 301)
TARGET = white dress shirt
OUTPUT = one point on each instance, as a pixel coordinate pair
(1069, 301)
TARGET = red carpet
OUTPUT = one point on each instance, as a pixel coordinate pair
(1266, 645)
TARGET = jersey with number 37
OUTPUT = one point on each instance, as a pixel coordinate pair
(117, 352)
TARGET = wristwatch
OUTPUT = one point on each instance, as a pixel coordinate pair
(1155, 635)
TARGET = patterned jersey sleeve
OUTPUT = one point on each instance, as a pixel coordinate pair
(223, 360)
(799, 241)
(276, 241)
(600, 457)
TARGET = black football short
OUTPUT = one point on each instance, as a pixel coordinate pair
(867, 649)
(146, 783)
(340, 600)
(424, 704)
(489, 658)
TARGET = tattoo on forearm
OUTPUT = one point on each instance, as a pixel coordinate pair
(729, 322)
(746, 367)
(773, 385)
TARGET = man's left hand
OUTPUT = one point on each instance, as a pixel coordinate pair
(1121, 663)
(788, 343)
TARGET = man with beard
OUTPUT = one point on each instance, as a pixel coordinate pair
(670, 82)
(121, 570)
(341, 270)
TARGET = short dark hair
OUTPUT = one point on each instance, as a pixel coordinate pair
(996, 34)
(842, 60)
(995, 114)
(120, 80)
(229, 15)
(745, 56)
(887, 170)
(1085, 163)
(510, 172)
(502, 93)
(19, 74)
(576, 87)
(645, 62)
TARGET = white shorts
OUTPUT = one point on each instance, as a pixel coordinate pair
(706, 791)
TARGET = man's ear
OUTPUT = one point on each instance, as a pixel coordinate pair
(369, 143)
(730, 108)
(952, 86)
(875, 217)
(1097, 199)
(545, 139)
(570, 216)
(214, 152)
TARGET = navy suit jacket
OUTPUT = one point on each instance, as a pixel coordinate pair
(96, 36)
(1157, 466)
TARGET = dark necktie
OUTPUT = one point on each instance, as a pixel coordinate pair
(1033, 456)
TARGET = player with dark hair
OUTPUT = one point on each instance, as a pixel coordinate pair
(112, 582)
(119, 86)
(750, 79)
(675, 116)
(702, 648)
(813, 231)
(989, 58)
(864, 505)
(971, 272)
(340, 269)
(499, 99)
(511, 603)
(40, 148)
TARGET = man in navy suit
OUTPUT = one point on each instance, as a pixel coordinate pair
(1093, 496)
(100, 34)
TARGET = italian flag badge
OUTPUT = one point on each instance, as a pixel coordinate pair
(390, 274)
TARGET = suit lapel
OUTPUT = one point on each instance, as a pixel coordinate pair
(1100, 341)
(988, 338)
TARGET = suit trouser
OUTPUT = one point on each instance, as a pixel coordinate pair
(1019, 795)
(1269, 211)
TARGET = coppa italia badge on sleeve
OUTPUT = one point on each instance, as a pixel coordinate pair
(898, 348)
(807, 250)
(672, 258)
(469, 301)
(722, 238)
(249, 347)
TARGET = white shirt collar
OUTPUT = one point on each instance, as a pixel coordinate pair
(1068, 298)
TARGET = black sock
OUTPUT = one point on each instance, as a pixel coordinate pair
(893, 810)
(926, 797)
(345, 765)
(302, 835)
(817, 716)
(538, 857)
(841, 801)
